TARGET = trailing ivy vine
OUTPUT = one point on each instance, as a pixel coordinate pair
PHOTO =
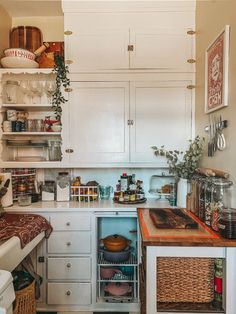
(62, 80)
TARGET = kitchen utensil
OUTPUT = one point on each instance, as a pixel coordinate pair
(105, 191)
(108, 273)
(221, 142)
(116, 257)
(19, 52)
(118, 288)
(172, 218)
(18, 62)
(115, 243)
(210, 137)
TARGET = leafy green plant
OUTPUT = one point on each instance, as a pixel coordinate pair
(62, 80)
(183, 164)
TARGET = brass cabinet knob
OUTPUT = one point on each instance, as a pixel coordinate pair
(68, 265)
(68, 223)
(68, 61)
(68, 32)
(191, 61)
(68, 292)
(191, 32)
(68, 243)
(191, 86)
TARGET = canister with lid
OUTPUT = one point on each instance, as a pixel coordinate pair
(221, 199)
(11, 89)
(227, 223)
(63, 186)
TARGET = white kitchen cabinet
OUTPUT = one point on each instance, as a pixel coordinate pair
(162, 49)
(161, 112)
(98, 122)
(118, 122)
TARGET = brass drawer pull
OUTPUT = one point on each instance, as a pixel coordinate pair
(191, 61)
(191, 86)
(191, 32)
(68, 32)
(68, 61)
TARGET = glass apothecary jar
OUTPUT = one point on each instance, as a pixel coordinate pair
(227, 223)
(11, 92)
(221, 199)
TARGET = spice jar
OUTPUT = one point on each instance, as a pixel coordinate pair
(227, 223)
(221, 199)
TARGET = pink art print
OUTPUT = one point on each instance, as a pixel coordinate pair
(216, 73)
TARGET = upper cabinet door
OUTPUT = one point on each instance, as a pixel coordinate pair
(99, 112)
(163, 49)
(96, 48)
(162, 115)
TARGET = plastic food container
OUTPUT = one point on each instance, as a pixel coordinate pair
(227, 223)
(24, 200)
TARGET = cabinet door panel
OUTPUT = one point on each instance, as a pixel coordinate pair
(98, 122)
(96, 48)
(162, 115)
(164, 49)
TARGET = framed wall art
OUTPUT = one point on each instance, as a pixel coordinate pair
(216, 72)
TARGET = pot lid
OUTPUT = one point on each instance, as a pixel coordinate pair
(115, 239)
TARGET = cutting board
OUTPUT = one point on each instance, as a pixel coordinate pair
(172, 218)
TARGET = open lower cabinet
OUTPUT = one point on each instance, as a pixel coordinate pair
(117, 274)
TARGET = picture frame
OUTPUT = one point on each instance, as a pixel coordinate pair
(216, 72)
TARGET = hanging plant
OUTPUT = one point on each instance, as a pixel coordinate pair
(62, 81)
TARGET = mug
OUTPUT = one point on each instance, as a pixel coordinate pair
(11, 115)
(105, 191)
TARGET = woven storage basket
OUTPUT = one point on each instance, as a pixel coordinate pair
(25, 300)
(185, 279)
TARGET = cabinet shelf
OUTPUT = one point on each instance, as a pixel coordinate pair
(29, 107)
(132, 261)
(31, 133)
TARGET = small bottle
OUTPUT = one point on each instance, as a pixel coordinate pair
(218, 283)
(126, 196)
(124, 182)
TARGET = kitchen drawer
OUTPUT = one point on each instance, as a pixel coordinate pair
(69, 293)
(67, 268)
(69, 242)
(71, 221)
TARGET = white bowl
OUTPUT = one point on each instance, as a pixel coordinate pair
(18, 62)
(56, 128)
(19, 52)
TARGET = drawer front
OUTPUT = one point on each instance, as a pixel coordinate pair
(69, 242)
(67, 268)
(71, 221)
(69, 293)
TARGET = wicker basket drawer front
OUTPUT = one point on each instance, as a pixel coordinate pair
(75, 268)
(185, 279)
(70, 242)
(72, 221)
(69, 293)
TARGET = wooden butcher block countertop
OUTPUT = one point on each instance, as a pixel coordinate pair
(202, 236)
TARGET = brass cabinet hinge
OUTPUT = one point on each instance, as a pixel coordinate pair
(68, 61)
(68, 89)
(191, 61)
(130, 47)
(191, 86)
(191, 32)
(68, 32)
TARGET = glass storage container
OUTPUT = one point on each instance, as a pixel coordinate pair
(221, 198)
(63, 186)
(11, 91)
(208, 201)
(227, 223)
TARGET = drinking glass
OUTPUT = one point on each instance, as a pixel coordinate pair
(34, 87)
(50, 88)
(24, 88)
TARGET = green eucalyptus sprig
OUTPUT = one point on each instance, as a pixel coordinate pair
(62, 80)
(183, 164)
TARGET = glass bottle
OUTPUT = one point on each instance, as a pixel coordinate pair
(218, 283)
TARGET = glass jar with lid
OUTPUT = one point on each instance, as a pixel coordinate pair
(208, 201)
(202, 184)
(221, 198)
(63, 186)
(227, 223)
(54, 150)
(11, 90)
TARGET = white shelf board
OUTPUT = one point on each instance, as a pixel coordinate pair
(29, 107)
(31, 133)
(26, 70)
(32, 164)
